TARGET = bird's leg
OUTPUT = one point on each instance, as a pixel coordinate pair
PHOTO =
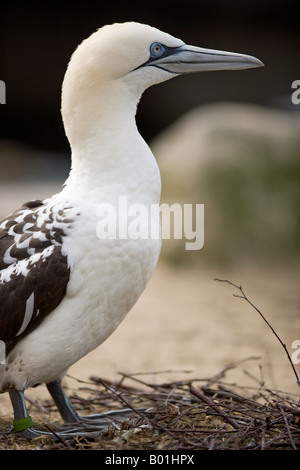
(66, 410)
(69, 415)
(22, 422)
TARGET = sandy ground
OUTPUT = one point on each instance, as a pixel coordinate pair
(187, 321)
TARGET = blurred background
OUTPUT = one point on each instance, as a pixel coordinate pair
(228, 140)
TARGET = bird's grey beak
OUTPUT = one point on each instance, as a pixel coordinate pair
(188, 59)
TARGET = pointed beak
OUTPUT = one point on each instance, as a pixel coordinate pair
(189, 59)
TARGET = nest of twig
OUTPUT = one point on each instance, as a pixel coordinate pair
(191, 415)
(188, 415)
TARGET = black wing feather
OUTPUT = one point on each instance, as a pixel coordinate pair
(45, 276)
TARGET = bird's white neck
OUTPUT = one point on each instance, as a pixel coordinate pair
(107, 149)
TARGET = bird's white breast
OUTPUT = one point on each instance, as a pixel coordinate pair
(107, 278)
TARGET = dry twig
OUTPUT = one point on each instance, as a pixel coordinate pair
(244, 297)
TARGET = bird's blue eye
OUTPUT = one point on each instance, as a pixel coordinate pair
(157, 49)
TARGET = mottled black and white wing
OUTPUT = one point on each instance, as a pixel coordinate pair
(34, 270)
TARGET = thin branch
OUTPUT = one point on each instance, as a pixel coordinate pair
(214, 406)
(141, 415)
(244, 297)
(288, 428)
(58, 437)
(230, 366)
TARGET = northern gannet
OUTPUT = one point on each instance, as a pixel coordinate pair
(63, 289)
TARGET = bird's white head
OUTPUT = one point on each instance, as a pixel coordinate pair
(115, 51)
(146, 56)
(110, 70)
